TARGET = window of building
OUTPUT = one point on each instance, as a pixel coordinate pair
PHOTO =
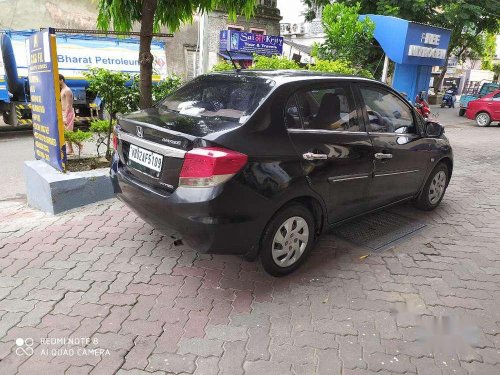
(235, 28)
(258, 31)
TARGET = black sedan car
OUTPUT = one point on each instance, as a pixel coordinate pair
(262, 162)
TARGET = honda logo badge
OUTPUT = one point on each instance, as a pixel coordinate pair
(139, 131)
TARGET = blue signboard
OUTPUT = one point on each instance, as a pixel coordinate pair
(407, 42)
(426, 45)
(48, 127)
(239, 41)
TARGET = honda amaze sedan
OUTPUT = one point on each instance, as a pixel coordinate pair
(262, 162)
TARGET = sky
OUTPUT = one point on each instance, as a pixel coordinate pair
(291, 10)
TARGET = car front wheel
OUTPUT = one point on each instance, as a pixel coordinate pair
(483, 119)
(287, 240)
(433, 192)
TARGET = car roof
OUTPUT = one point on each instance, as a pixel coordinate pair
(285, 76)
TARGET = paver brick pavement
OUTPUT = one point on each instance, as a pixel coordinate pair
(97, 290)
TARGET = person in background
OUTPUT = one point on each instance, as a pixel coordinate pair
(68, 113)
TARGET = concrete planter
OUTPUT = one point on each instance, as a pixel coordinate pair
(55, 192)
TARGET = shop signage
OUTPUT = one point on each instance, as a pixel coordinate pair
(48, 127)
(238, 41)
(422, 51)
(429, 52)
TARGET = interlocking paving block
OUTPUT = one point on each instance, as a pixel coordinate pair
(378, 231)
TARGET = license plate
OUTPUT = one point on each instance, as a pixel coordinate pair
(145, 158)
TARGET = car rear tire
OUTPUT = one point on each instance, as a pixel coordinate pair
(287, 240)
(483, 119)
(433, 192)
(461, 112)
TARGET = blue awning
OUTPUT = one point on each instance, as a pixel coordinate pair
(236, 56)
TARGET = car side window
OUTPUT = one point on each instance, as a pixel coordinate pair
(496, 97)
(327, 108)
(386, 112)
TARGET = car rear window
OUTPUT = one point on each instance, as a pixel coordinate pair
(232, 98)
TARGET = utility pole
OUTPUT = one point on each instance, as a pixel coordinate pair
(203, 40)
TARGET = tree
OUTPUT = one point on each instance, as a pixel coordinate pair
(490, 44)
(154, 14)
(346, 36)
(467, 19)
(112, 88)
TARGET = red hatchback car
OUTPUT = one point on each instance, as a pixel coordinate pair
(485, 110)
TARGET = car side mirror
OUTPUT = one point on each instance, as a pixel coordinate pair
(433, 129)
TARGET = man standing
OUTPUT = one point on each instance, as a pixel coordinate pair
(68, 113)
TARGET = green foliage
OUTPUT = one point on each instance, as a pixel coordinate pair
(122, 14)
(496, 70)
(152, 15)
(116, 96)
(99, 126)
(166, 86)
(222, 66)
(339, 66)
(468, 20)
(101, 129)
(490, 44)
(77, 137)
(273, 63)
(346, 37)
(111, 87)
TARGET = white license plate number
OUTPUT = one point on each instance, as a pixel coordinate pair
(146, 158)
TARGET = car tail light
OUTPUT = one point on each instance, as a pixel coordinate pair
(210, 166)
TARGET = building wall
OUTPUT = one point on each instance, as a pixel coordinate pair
(181, 49)
(34, 14)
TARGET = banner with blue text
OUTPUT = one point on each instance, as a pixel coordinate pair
(48, 126)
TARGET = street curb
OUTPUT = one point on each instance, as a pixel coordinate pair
(54, 192)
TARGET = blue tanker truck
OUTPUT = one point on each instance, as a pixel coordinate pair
(76, 53)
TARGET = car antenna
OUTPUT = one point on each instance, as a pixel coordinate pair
(236, 69)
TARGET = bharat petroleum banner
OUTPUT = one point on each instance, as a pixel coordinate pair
(75, 56)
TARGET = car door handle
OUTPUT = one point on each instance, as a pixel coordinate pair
(381, 156)
(313, 156)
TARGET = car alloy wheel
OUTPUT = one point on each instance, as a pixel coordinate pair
(483, 119)
(437, 187)
(290, 241)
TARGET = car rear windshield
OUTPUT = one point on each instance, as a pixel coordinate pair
(232, 98)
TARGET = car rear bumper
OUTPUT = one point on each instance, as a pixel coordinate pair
(207, 219)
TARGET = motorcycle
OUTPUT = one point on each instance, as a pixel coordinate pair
(422, 106)
(448, 99)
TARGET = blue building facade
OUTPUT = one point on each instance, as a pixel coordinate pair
(415, 48)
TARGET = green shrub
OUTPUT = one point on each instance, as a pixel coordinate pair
(166, 86)
(340, 67)
(273, 63)
(77, 137)
(222, 66)
(101, 129)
